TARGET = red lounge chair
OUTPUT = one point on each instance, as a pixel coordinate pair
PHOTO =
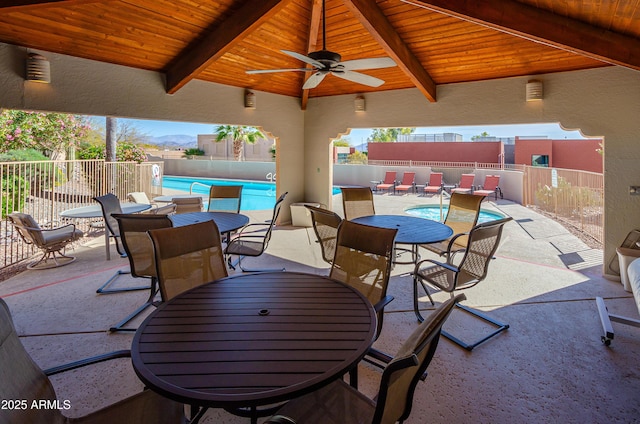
(465, 185)
(489, 187)
(389, 181)
(435, 183)
(408, 182)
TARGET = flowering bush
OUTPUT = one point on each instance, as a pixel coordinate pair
(125, 152)
(45, 132)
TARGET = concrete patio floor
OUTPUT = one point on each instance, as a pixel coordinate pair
(549, 367)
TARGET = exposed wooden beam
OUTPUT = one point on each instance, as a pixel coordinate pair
(374, 20)
(538, 25)
(22, 5)
(312, 44)
(220, 39)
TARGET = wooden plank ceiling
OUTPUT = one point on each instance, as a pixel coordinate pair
(432, 41)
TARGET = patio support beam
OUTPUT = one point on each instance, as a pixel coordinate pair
(219, 40)
(312, 45)
(534, 24)
(373, 19)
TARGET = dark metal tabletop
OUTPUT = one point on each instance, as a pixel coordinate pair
(226, 221)
(411, 229)
(253, 339)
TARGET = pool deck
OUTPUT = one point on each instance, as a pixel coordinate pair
(549, 366)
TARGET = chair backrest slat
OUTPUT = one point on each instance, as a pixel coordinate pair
(462, 214)
(110, 205)
(325, 225)
(187, 204)
(187, 257)
(484, 240)
(363, 260)
(357, 202)
(224, 198)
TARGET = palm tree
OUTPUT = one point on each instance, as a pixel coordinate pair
(240, 134)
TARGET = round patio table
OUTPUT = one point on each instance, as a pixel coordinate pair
(95, 211)
(253, 340)
(411, 230)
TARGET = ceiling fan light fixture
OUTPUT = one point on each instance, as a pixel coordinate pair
(360, 104)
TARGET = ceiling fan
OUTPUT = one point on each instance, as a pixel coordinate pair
(326, 62)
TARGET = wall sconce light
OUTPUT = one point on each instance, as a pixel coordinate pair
(38, 69)
(534, 90)
(360, 105)
(249, 100)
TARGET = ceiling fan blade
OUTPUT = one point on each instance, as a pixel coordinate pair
(314, 80)
(359, 78)
(266, 71)
(303, 58)
(373, 63)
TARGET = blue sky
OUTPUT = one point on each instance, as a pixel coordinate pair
(357, 136)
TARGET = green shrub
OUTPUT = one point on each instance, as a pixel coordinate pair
(194, 152)
(15, 190)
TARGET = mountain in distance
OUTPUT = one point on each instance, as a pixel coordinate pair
(173, 141)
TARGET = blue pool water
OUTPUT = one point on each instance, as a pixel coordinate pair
(433, 212)
(256, 195)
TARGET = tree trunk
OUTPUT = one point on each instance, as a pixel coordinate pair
(237, 149)
(110, 135)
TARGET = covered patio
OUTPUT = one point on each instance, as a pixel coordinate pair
(466, 65)
(549, 366)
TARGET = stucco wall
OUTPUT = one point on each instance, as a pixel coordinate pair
(567, 154)
(480, 151)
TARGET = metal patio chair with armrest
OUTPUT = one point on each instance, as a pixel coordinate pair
(253, 239)
(325, 225)
(465, 185)
(110, 205)
(389, 181)
(408, 182)
(51, 241)
(462, 216)
(338, 403)
(362, 260)
(187, 257)
(224, 198)
(484, 240)
(22, 380)
(357, 202)
(187, 204)
(490, 187)
(139, 249)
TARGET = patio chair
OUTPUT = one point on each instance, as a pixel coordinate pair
(462, 216)
(141, 197)
(357, 202)
(51, 241)
(110, 205)
(253, 239)
(224, 198)
(435, 183)
(489, 187)
(389, 181)
(472, 269)
(408, 182)
(338, 403)
(187, 204)
(167, 209)
(362, 260)
(465, 185)
(22, 380)
(139, 249)
(187, 257)
(325, 225)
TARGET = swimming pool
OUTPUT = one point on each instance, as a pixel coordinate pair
(256, 195)
(433, 212)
